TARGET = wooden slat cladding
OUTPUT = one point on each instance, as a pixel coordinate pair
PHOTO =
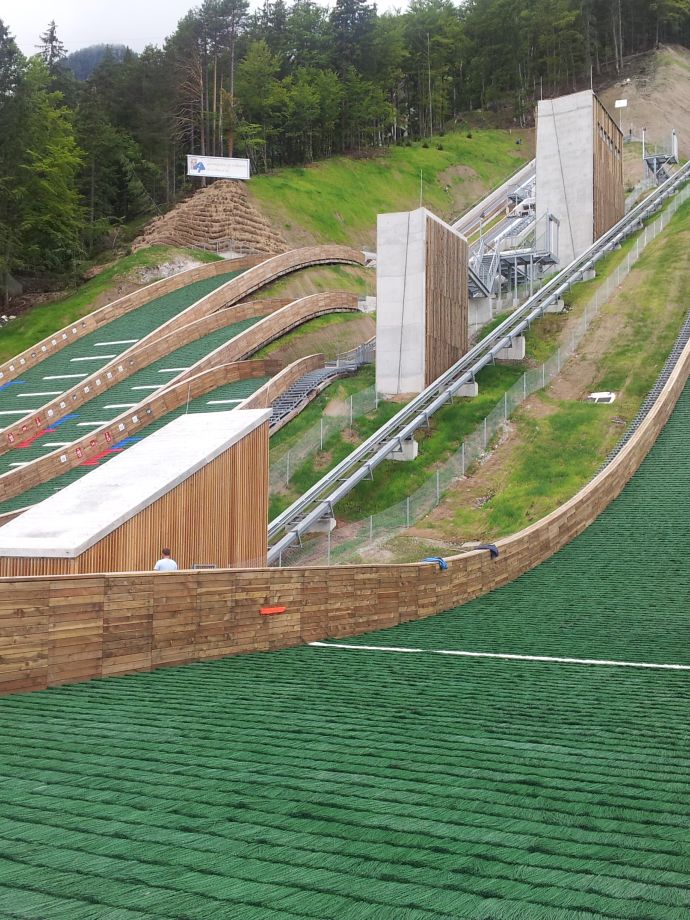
(217, 516)
(226, 295)
(104, 315)
(446, 298)
(609, 197)
(50, 627)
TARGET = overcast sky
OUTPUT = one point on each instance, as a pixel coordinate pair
(136, 23)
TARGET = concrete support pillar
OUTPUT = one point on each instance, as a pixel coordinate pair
(468, 389)
(556, 306)
(323, 525)
(589, 275)
(515, 352)
(408, 450)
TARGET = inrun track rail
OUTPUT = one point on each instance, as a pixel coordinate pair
(318, 501)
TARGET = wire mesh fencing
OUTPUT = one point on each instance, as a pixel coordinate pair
(341, 416)
(364, 540)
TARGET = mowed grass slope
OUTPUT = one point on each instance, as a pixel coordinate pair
(338, 200)
(356, 785)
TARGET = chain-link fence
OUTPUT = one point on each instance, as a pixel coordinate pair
(341, 416)
(349, 540)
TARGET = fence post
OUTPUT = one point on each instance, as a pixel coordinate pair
(558, 360)
(462, 455)
(505, 406)
(407, 510)
(524, 386)
(438, 486)
(371, 527)
(321, 434)
(329, 547)
(351, 398)
(543, 375)
(287, 469)
(484, 432)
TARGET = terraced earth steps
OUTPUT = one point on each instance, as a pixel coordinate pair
(51, 375)
(214, 401)
(353, 785)
(218, 217)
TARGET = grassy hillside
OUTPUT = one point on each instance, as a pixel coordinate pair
(117, 279)
(338, 200)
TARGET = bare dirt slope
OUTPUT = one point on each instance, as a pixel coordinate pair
(218, 217)
(658, 94)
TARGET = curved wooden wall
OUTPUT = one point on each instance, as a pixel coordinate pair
(46, 623)
(226, 295)
(104, 315)
(241, 346)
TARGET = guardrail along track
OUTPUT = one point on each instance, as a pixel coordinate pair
(318, 501)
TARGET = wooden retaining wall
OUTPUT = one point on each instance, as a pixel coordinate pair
(127, 424)
(55, 342)
(59, 629)
(226, 295)
(240, 346)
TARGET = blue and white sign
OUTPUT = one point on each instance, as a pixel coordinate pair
(218, 167)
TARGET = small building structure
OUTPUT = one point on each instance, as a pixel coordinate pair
(579, 170)
(198, 485)
(421, 300)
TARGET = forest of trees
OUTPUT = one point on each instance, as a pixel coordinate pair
(286, 84)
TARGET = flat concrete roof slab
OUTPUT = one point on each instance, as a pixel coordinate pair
(74, 519)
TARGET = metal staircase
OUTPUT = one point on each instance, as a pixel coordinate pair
(312, 383)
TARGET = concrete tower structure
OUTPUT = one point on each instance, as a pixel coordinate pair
(579, 170)
(421, 300)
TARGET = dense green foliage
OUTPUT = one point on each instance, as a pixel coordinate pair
(283, 85)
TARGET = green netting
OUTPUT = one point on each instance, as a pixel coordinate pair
(328, 783)
(134, 325)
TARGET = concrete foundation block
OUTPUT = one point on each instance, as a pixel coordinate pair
(516, 352)
(468, 389)
(324, 525)
(589, 275)
(556, 306)
(408, 451)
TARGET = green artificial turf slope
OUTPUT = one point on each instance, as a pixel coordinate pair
(355, 785)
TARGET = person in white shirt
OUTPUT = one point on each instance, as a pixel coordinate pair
(165, 563)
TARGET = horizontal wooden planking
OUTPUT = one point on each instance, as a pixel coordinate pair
(207, 614)
(226, 295)
(58, 340)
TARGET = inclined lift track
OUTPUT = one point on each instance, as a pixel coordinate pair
(318, 502)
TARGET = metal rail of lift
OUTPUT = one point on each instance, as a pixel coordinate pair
(318, 502)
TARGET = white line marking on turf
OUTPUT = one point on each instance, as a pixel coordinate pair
(56, 443)
(15, 411)
(120, 405)
(506, 657)
(90, 424)
(46, 393)
(149, 386)
(222, 402)
(120, 342)
(92, 358)
(172, 370)
(65, 376)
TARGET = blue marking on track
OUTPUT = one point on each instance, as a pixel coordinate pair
(11, 383)
(126, 441)
(67, 418)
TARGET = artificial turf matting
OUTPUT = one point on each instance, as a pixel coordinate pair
(358, 785)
